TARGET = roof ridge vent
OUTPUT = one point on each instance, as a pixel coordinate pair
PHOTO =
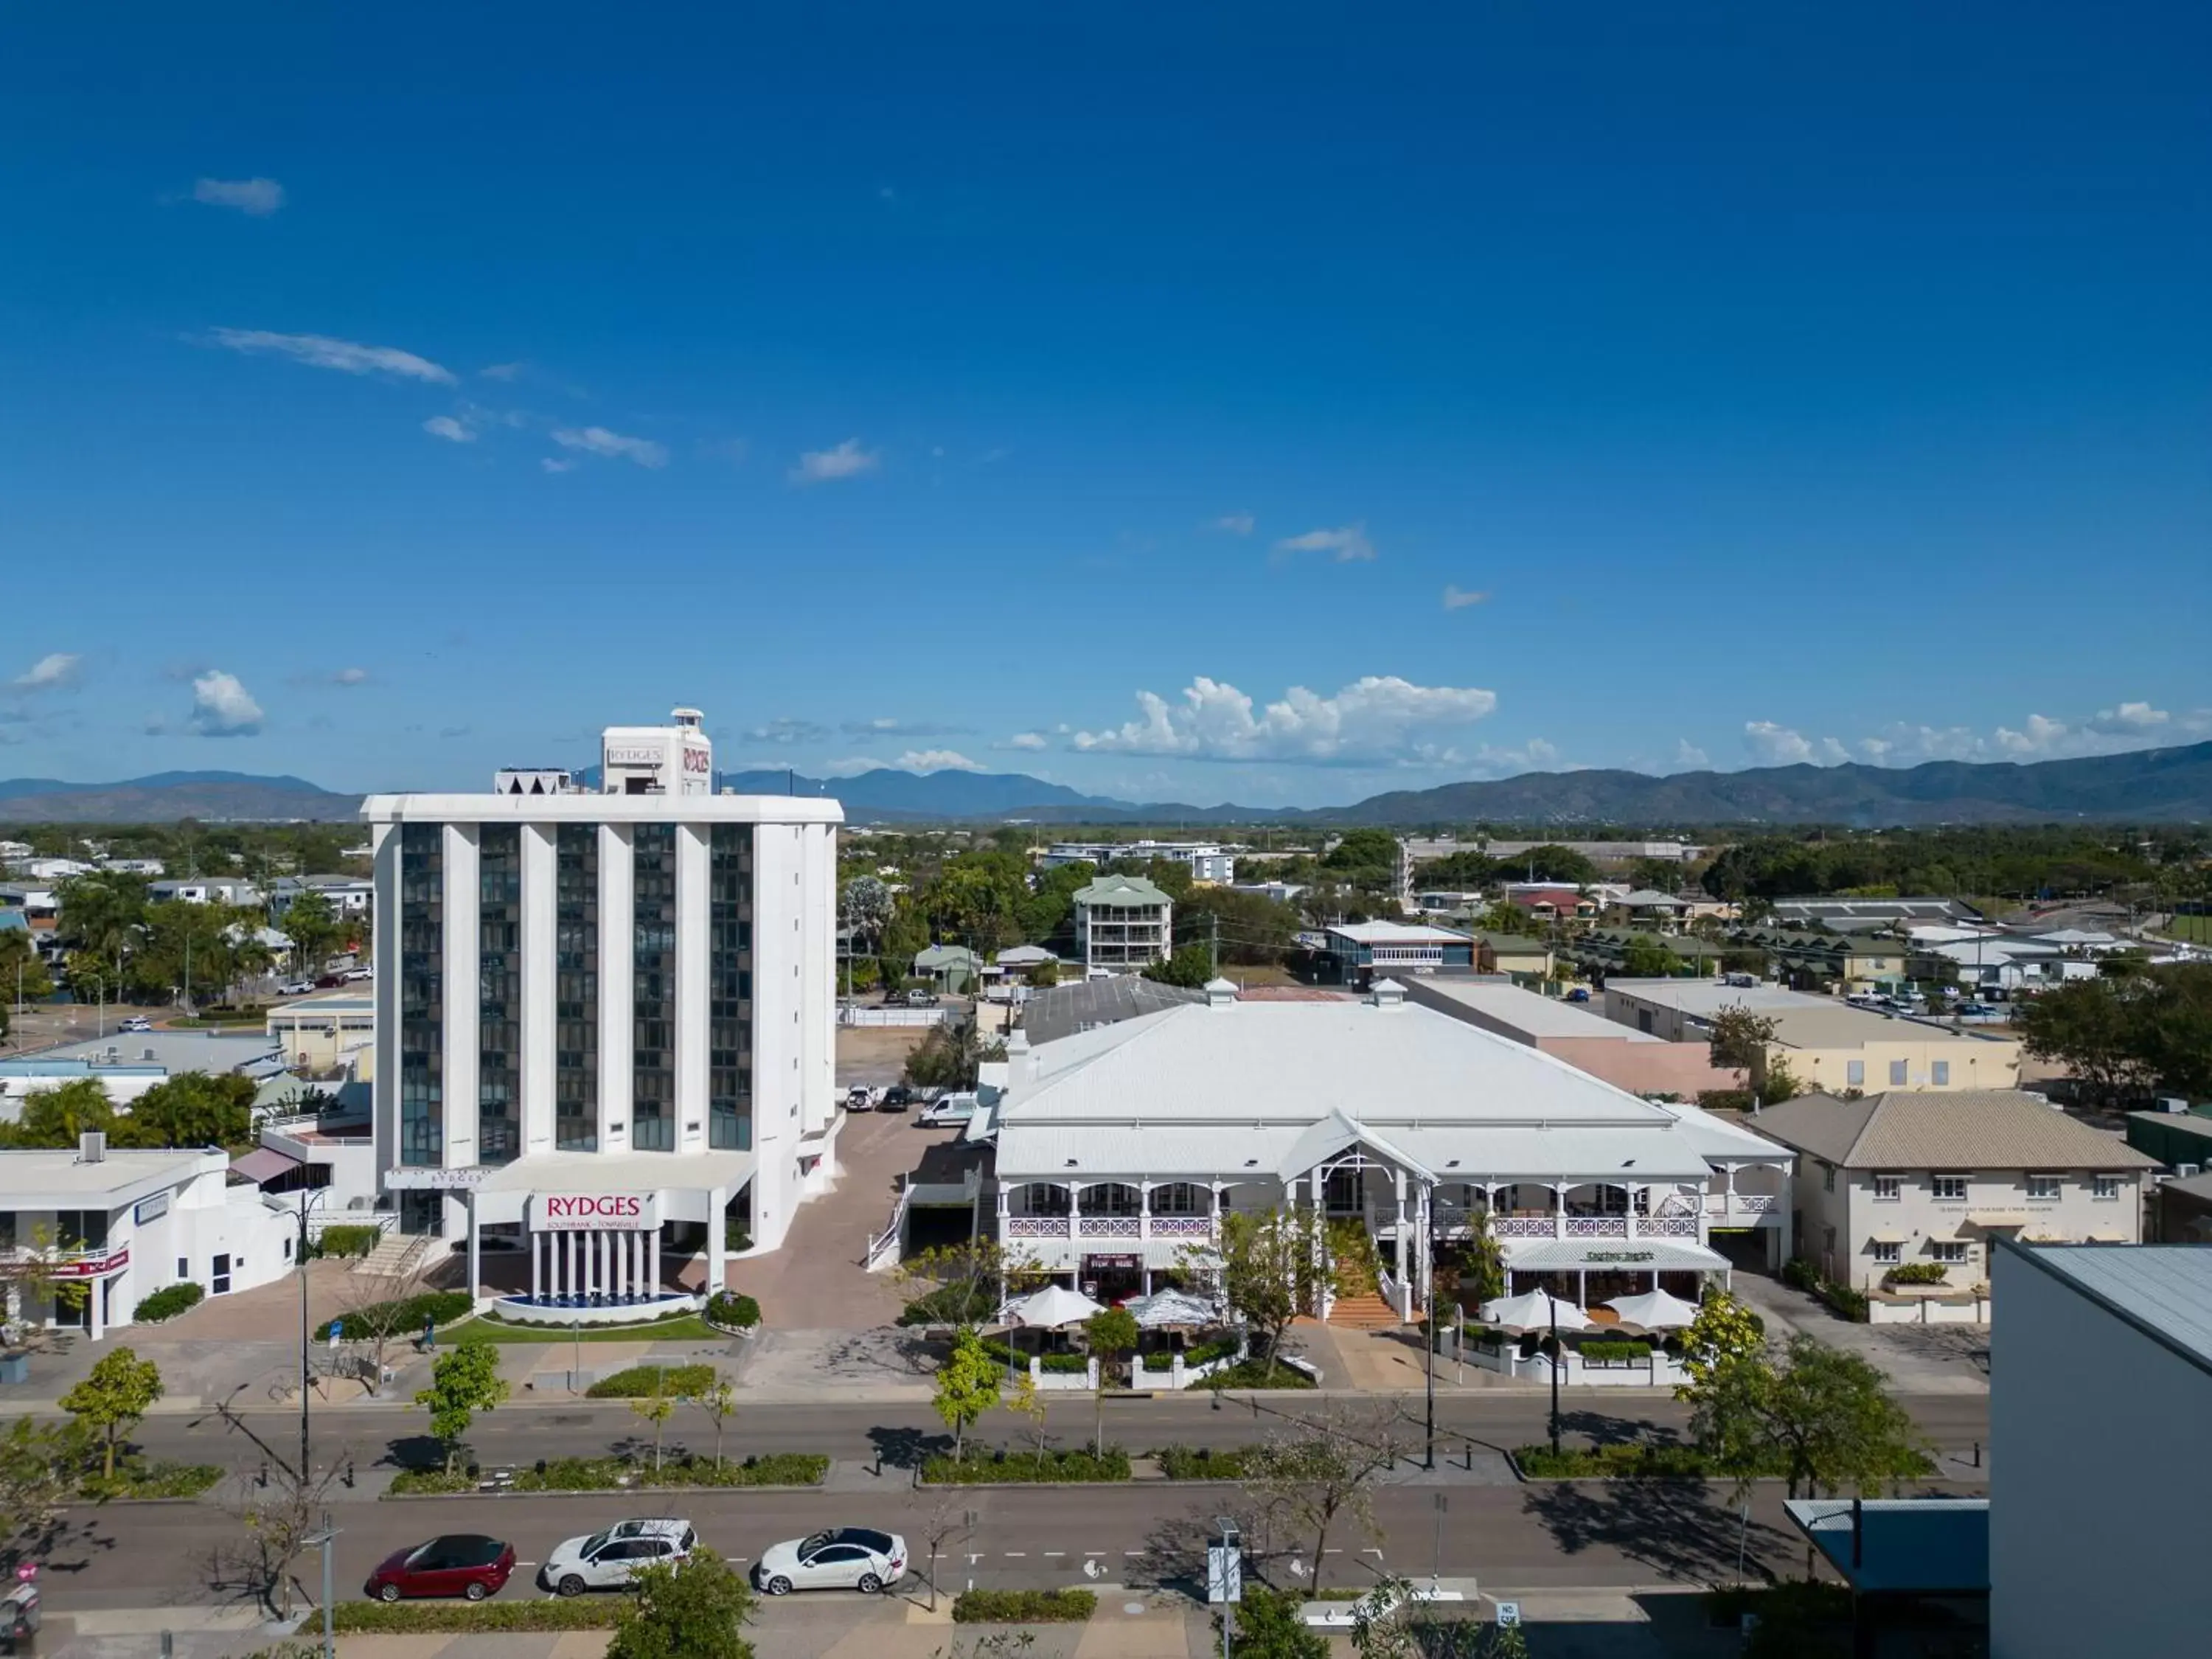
(1220, 993)
(1387, 993)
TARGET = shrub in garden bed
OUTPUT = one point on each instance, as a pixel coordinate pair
(620, 1473)
(402, 1317)
(1023, 1606)
(1204, 1354)
(1060, 1365)
(1640, 1461)
(734, 1310)
(1599, 1353)
(348, 1239)
(1914, 1272)
(1256, 1374)
(1075, 1465)
(153, 1481)
(168, 1303)
(1201, 1463)
(406, 1617)
(639, 1380)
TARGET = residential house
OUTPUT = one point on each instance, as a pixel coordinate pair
(2100, 1385)
(1826, 1043)
(1858, 963)
(51, 870)
(1914, 1180)
(1554, 904)
(1355, 952)
(346, 895)
(205, 889)
(1645, 907)
(953, 967)
(1121, 922)
(1513, 953)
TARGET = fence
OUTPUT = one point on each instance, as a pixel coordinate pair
(853, 1014)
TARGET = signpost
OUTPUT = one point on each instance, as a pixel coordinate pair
(1224, 1578)
(1509, 1614)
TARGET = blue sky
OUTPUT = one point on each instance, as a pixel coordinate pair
(1265, 404)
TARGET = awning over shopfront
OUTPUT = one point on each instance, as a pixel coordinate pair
(263, 1165)
(1642, 1255)
(1890, 1236)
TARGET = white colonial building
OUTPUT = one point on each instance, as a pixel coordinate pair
(1119, 1149)
(614, 1008)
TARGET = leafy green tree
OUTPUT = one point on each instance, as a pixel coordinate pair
(464, 1381)
(1823, 1420)
(1191, 965)
(1323, 1469)
(1049, 913)
(1268, 1626)
(1461, 871)
(1271, 1267)
(1255, 931)
(34, 1484)
(1647, 958)
(966, 1387)
(101, 915)
(656, 1408)
(1741, 1041)
(1112, 1334)
(1725, 1330)
(190, 1109)
(1550, 862)
(314, 930)
(964, 1282)
(719, 1401)
(113, 1399)
(22, 973)
(55, 1117)
(696, 1611)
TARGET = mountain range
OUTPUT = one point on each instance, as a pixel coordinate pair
(2146, 786)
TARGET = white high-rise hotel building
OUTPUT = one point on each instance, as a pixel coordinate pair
(606, 1019)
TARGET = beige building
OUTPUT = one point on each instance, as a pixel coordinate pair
(324, 1034)
(1828, 1045)
(1913, 1179)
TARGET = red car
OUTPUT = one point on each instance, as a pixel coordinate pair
(460, 1563)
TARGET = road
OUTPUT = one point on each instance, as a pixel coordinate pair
(524, 1433)
(1516, 1538)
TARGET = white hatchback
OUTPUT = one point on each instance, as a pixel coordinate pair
(610, 1559)
(842, 1558)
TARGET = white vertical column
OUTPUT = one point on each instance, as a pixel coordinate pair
(536, 1265)
(462, 993)
(694, 891)
(540, 876)
(653, 1280)
(717, 1206)
(384, 1090)
(617, 933)
(569, 1263)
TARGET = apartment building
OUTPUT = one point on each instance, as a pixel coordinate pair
(1122, 922)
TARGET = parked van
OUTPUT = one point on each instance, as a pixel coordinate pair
(952, 1108)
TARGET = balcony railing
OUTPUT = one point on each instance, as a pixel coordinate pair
(1598, 1226)
(1521, 1226)
(1110, 1226)
(1037, 1226)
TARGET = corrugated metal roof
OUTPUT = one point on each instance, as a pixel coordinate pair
(2165, 1289)
(1946, 1129)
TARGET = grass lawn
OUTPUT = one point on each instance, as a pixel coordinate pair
(687, 1327)
(2198, 930)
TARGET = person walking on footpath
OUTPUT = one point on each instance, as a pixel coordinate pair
(430, 1334)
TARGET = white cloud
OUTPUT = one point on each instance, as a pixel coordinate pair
(255, 197)
(1027, 740)
(848, 460)
(889, 725)
(1374, 720)
(347, 357)
(221, 707)
(935, 760)
(2038, 737)
(1778, 746)
(502, 371)
(789, 730)
(1688, 758)
(597, 440)
(350, 677)
(1236, 523)
(1458, 598)
(550, 464)
(1348, 543)
(2128, 719)
(445, 427)
(50, 672)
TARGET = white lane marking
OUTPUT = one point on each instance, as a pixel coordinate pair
(1055, 1551)
(1102, 1551)
(1132, 1553)
(1016, 1555)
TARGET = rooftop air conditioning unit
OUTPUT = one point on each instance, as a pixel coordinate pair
(91, 1146)
(2183, 1171)
(2173, 1103)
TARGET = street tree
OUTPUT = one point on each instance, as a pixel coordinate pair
(465, 1381)
(1740, 1040)
(655, 1408)
(113, 1399)
(1822, 1419)
(1028, 1403)
(1268, 1626)
(1190, 967)
(1725, 1330)
(1323, 1469)
(34, 1484)
(313, 929)
(696, 1611)
(1271, 1267)
(1112, 1334)
(966, 1387)
(1389, 1623)
(946, 1519)
(964, 1283)
(277, 1519)
(719, 1400)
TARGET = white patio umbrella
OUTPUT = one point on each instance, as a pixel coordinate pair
(1655, 1310)
(1053, 1307)
(1535, 1310)
(1162, 1309)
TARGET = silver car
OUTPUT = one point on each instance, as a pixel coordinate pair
(841, 1557)
(610, 1559)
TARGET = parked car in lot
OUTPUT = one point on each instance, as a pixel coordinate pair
(610, 1559)
(297, 987)
(355, 976)
(840, 1557)
(921, 999)
(952, 1108)
(465, 1564)
(137, 1023)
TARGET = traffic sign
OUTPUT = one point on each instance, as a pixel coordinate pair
(1509, 1613)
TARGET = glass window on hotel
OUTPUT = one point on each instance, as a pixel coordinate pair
(499, 978)
(653, 988)
(576, 987)
(421, 994)
(730, 987)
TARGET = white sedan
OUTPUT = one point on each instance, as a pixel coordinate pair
(842, 1558)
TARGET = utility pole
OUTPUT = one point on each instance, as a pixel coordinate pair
(1214, 969)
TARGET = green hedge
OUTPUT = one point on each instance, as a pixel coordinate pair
(154, 1480)
(1074, 1465)
(1204, 1354)
(1060, 1365)
(639, 1380)
(733, 1309)
(1201, 1463)
(617, 1473)
(1799, 1275)
(463, 1618)
(1639, 1462)
(1599, 1353)
(402, 1317)
(1252, 1373)
(1850, 1303)
(1914, 1272)
(168, 1304)
(348, 1239)
(1025, 1607)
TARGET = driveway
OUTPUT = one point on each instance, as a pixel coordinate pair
(1917, 1359)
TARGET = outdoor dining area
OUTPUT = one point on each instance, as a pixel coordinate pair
(1180, 1333)
(1632, 1339)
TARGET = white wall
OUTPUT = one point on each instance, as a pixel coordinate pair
(2098, 1465)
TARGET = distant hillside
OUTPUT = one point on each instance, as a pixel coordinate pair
(168, 796)
(2149, 785)
(2146, 786)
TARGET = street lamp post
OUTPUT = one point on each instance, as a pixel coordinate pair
(307, 1201)
(1552, 1302)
